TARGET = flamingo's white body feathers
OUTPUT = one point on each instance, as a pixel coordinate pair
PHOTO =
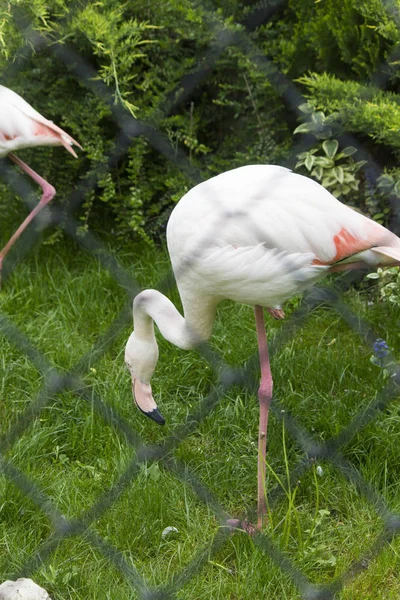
(265, 204)
(260, 234)
(21, 126)
(257, 235)
(256, 274)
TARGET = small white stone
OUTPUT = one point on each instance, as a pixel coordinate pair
(166, 532)
(320, 471)
(22, 589)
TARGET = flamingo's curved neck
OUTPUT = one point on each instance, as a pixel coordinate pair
(150, 306)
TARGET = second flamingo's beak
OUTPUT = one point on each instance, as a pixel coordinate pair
(145, 402)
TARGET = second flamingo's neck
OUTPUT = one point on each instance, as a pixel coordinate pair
(150, 306)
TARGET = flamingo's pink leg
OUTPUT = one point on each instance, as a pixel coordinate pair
(48, 193)
(264, 397)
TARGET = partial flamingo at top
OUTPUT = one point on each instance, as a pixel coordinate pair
(21, 126)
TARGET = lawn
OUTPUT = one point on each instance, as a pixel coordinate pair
(89, 484)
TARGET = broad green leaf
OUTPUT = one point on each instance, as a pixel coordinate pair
(309, 162)
(325, 133)
(318, 117)
(330, 147)
(328, 181)
(348, 177)
(306, 108)
(385, 180)
(304, 154)
(304, 128)
(338, 173)
(357, 165)
(317, 172)
(323, 161)
(349, 151)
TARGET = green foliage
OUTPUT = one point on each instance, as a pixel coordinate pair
(345, 37)
(388, 282)
(365, 110)
(113, 42)
(389, 182)
(321, 126)
(336, 171)
(146, 53)
(141, 51)
(375, 200)
(336, 176)
(373, 115)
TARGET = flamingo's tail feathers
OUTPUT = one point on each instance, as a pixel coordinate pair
(388, 255)
(145, 401)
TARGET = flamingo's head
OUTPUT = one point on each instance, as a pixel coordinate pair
(141, 357)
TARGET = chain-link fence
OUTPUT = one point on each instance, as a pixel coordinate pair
(62, 528)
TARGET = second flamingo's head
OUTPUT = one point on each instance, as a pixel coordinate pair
(141, 357)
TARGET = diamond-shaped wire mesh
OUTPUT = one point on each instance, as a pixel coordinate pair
(62, 528)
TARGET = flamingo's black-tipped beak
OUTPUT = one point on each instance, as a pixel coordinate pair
(145, 402)
(156, 416)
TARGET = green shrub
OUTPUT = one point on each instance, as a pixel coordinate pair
(366, 110)
(345, 37)
(338, 172)
(388, 284)
(331, 168)
(141, 51)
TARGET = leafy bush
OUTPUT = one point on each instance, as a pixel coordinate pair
(348, 38)
(146, 53)
(337, 172)
(141, 51)
(373, 116)
(336, 176)
(102, 34)
(388, 284)
(365, 110)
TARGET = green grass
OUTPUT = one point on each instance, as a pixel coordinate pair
(64, 301)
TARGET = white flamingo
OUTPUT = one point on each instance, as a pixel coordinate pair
(257, 235)
(21, 126)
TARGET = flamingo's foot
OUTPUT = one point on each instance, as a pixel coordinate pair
(277, 313)
(244, 526)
